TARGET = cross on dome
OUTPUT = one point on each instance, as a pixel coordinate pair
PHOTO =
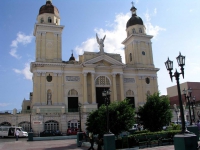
(132, 4)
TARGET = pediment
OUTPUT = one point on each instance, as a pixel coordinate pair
(104, 60)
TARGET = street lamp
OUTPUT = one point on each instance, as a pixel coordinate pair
(176, 111)
(188, 97)
(106, 95)
(193, 105)
(169, 66)
(79, 109)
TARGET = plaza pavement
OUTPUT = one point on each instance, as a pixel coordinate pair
(59, 145)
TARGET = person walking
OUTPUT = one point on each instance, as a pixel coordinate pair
(100, 142)
(91, 141)
(17, 134)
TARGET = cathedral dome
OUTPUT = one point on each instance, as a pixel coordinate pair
(134, 19)
(49, 8)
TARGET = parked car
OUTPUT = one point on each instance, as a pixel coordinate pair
(135, 127)
(50, 133)
(72, 131)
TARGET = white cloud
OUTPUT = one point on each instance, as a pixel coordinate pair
(191, 10)
(21, 39)
(13, 52)
(114, 37)
(155, 11)
(4, 104)
(26, 71)
(150, 29)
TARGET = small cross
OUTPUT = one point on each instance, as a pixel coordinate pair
(72, 51)
(132, 3)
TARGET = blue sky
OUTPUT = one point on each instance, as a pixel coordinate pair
(174, 25)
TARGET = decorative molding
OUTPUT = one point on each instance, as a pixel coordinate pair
(106, 58)
(73, 78)
(129, 80)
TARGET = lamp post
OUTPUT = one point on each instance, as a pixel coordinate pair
(193, 105)
(79, 109)
(169, 66)
(188, 97)
(106, 95)
(176, 111)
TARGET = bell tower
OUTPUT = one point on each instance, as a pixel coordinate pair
(138, 49)
(48, 33)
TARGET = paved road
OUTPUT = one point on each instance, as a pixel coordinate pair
(9, 139)
(22, 144)
(41, 145)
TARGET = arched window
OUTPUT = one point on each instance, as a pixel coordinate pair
(49, 97)
(41, 20)
(5, 124)
(130, 57)
(51, 125)
(28, 107)
(140, 30)
(25, 125)
(49, 19)
(133, 30)
(73, 92)
(102, 81)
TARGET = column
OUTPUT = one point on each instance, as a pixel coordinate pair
(93, 89)
(38, 46)
(43, 48)
(55, 53)
(122, 86)
(55, 87)
(43, 88)
(85, 100)
(114, 88)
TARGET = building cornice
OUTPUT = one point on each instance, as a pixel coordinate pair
(138, 35)
(46, 25)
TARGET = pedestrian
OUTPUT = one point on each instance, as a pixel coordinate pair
(91, 141)
(198, 125)
(17, 134)
(100, 142)
(139, 127)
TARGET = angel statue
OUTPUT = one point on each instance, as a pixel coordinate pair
(100, 42)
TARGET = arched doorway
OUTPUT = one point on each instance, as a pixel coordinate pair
(130, 97)
(25, 125)
(51, 125)
(5, 124)
(102, 83)
(72, 101)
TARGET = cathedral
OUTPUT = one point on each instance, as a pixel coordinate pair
(64, 91)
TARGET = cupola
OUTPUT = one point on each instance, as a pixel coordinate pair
(48, 13)
(134, 20)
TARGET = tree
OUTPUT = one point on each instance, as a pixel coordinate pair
(155, 113)
(121, 118)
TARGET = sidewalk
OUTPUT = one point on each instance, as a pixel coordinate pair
(60, 145)
(42, 145)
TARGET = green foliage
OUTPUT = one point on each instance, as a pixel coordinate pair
(175, 126)
(155, 113)
(121, 118)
